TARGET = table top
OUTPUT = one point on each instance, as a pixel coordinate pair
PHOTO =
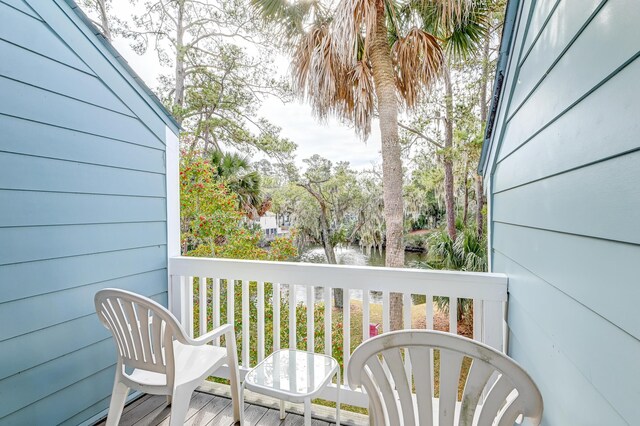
(291, 374)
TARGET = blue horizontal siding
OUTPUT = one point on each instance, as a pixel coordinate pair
(563, 203)
(29, 137)
(46, 174)
(614, 267)
(32, 208)
(577, 65)
(84, 43)
(581, 199)
(83, 196)
(91, 391)
(59, 78)
(59, 340)
(39, 243)
(72, 114)
(22, 7)
(43, 311)
(554, 330)
(23, 30)
(597, 142)
(23, 280)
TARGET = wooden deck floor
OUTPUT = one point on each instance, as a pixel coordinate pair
(205, 409)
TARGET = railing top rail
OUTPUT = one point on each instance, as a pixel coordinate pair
(477, 285)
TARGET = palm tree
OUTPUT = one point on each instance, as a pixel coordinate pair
(366, 58)
(235, 171)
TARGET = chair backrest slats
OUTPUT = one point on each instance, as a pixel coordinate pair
(450, 366)
(386, 391)
(479, 374)
(495, 399)
(496, 390)
(422, 373)
(396, 366)
(144, 331)
(510, 413)
(142, 314)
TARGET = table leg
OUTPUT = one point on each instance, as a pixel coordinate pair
(283, 414)
(307, 412)
(338, 399)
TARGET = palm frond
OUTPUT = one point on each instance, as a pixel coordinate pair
(363, 89)
(353, 19)
(418, 60)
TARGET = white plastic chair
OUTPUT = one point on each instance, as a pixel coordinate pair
(156, 356)
(497, 390)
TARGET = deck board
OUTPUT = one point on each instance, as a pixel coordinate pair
(205, 410)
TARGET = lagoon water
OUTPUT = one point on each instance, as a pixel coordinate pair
(349, 255)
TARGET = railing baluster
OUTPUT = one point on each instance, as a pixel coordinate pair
(386, 324)
(203, 307)
(260, 320)
(189, 302)
(406, 303)
(215, 306)
(365, 315)
(230, 302)
(310, 322)
(245, 323)
(406, 309)
(327, 320)
(477, 319)
(292, 316)
(346, 327)
(453, 315)
(429, 318)
(276, 316)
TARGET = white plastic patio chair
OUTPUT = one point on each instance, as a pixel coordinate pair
(497, 390)
(156, 356)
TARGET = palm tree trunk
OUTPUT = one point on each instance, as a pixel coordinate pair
(383, 77)
(448, 161)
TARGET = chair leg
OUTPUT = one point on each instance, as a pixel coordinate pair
(118, 398)
(180, 405)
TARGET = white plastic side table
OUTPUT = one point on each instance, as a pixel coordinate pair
(294, 376)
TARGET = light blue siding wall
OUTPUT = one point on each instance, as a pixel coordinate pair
(82, 207)
(564, 172)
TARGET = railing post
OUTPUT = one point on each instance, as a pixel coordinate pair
(492, 324)
(175, 296)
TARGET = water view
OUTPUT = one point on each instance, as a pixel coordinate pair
(350, 255)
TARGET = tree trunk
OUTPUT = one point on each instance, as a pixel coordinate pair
(104, 21)
(180, 65)
(448, 160)
(484, 112)
(480, 204)
(383, 77)
(465, 207)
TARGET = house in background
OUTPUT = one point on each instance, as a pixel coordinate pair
(85, 151)
(562, 169)
(269, 225)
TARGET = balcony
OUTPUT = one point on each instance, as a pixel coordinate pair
(265, 320)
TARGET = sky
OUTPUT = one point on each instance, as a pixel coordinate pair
(332, 139)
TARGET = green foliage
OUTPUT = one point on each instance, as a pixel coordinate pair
(467, 253)
(212, 224)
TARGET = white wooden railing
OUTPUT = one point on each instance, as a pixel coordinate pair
(296, 283)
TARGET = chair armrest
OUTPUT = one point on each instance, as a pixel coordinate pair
(213, 334)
